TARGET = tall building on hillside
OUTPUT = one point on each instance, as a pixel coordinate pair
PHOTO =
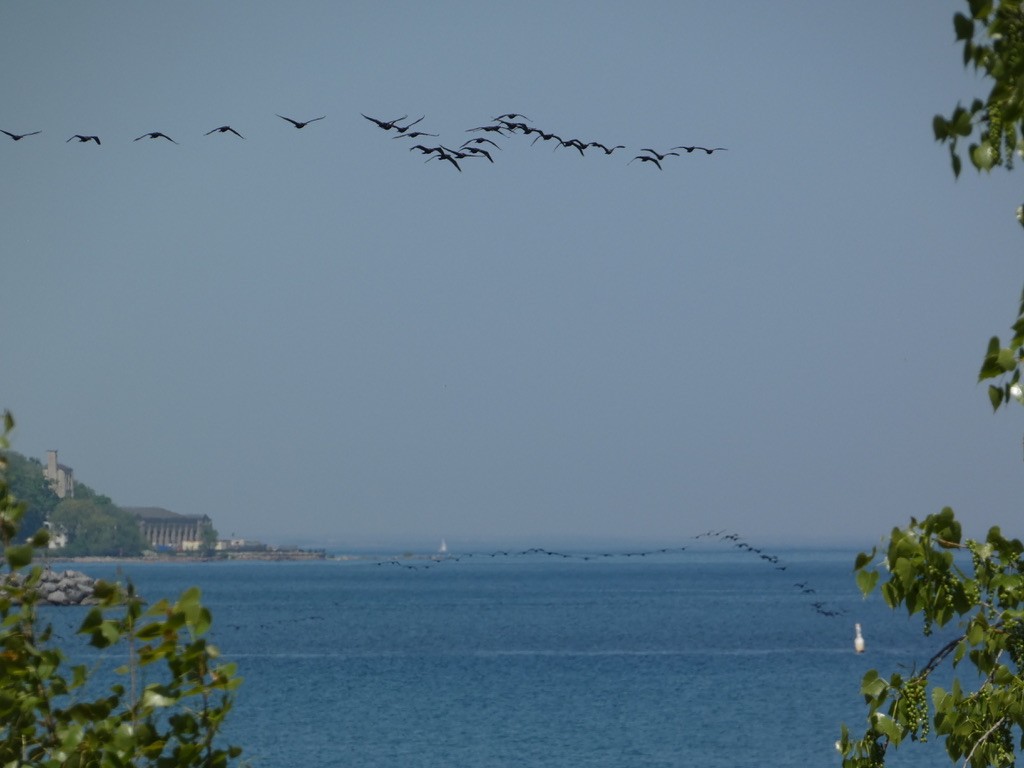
(60, 477)
(164, 529)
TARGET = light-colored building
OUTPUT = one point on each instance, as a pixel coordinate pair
(60, 477)
(58, 536)
(164, 529)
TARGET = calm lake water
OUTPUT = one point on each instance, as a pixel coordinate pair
(704, 659)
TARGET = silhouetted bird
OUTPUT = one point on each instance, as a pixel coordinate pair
(519, 126)
(574, 143)
(299, 124)
(546, 137)
(404, 128)
(82, 139)
(413, 135)
(156, 135)
(607, 150)
(510, 116)
(225, 129)
(647, 159)
(478, 151)
(387, 125)
(662, 157)
(441, 153)
(499, 129)
(480, 140)
(426, 150)
(20, 136)
(709, 150)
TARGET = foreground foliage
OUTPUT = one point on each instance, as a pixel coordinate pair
(992, 35)
(170, 698)
(977, 586)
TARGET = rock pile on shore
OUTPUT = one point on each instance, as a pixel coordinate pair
(64, 587)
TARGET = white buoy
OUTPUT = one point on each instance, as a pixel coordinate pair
(858, 641)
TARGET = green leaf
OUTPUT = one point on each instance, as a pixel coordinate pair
(947, 528)
(103, 590)
(190, 597)
(867, 580)
(863, 559)
(963, 26)
(151, 631)
(105, 635)
(18, 555)
(1006, 359)
(961, 122)
(995, 396)
(980, 8)
(886, 726)
(92, 620)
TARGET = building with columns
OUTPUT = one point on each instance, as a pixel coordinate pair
(164, 529)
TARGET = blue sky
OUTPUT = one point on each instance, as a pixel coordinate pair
(315, 336)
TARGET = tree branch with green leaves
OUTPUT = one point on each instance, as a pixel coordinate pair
(978, 587)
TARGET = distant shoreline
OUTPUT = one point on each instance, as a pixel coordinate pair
(270, 556)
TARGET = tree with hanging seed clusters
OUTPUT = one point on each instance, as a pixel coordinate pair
(973, 586)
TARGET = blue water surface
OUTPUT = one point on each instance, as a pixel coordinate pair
(709, 659)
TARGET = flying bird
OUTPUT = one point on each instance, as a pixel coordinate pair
(413, 135)
(478, 151)
(426, 150)
(480, 140)
(19, 136)
(709, 150)
(574, 143)
(510, 116)
(661, 157)
(387, 125)
(404, 128)
(499, 129)
(647, 159)
(442, 155)
(299, 124)
(607, 150)
(527, 130)
(546, 137)
(156, 135)
(82, 139)
(225, 129)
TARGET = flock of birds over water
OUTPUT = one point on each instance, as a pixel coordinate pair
(482, 146)
(804, 588)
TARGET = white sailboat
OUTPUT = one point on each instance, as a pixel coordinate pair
(443, 549)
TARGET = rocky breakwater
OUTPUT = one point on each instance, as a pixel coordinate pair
(63, 587)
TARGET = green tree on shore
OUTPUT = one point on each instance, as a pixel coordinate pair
(25, 479)
(96, 526)
(928, 568)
